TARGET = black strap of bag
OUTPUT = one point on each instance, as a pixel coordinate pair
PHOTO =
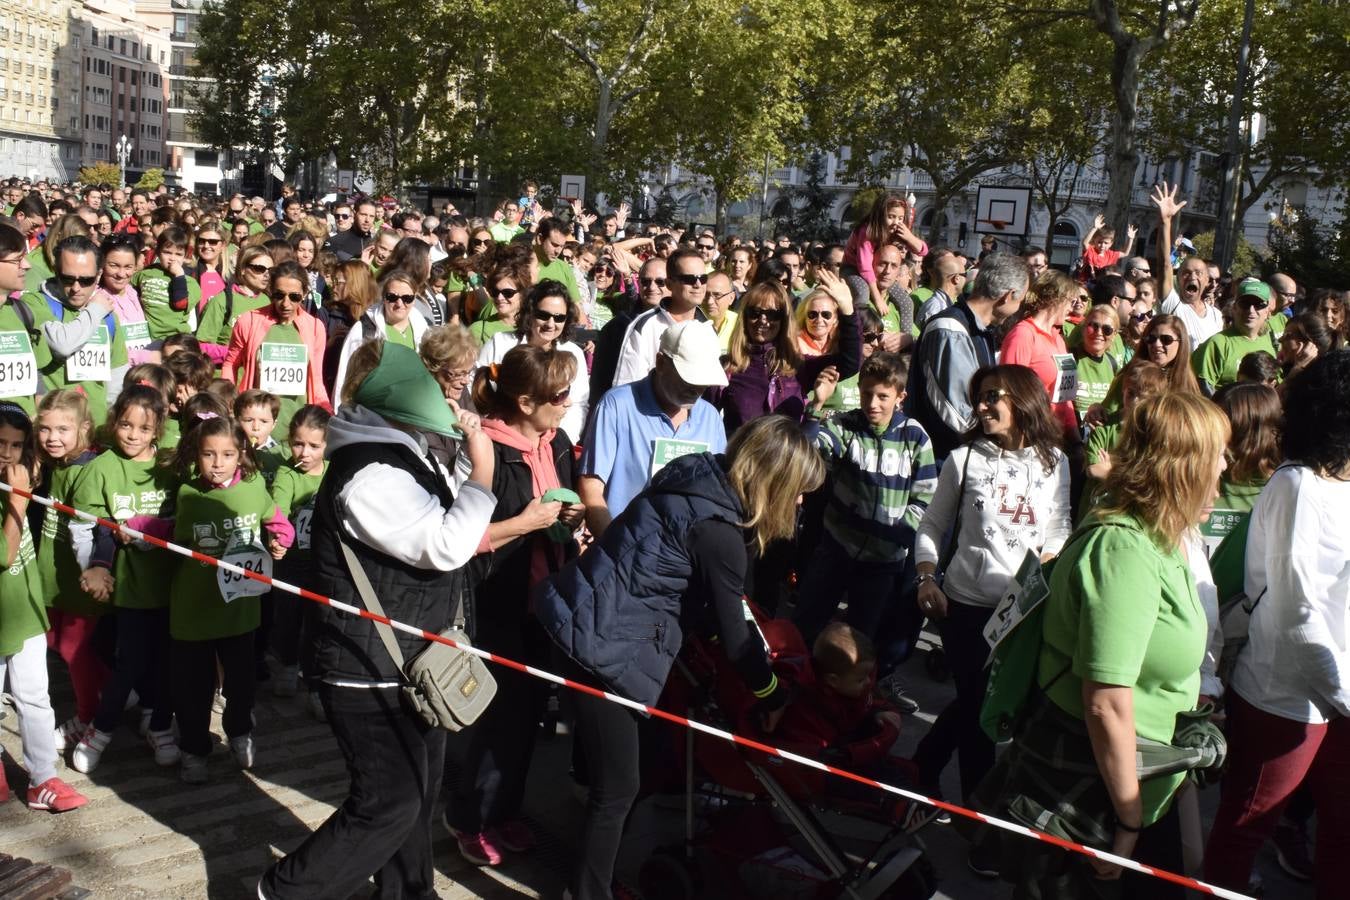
(950, 550)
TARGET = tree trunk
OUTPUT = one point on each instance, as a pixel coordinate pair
(942, 195)
(720, 208)
(604, 114)
(1049, 244)
(1123, 159)
(1229, 226)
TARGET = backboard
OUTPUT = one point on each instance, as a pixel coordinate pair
(1002, 210)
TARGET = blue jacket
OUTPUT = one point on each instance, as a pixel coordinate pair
(616, 610)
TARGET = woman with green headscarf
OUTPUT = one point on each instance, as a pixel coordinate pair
(411, 525)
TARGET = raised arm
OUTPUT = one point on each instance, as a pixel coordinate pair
(1165, 199)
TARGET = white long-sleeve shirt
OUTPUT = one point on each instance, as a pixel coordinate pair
(1010, 505)
(1208, 592)
(1296, 664)
(574, 420)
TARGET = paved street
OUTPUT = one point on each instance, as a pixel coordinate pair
(145, 836)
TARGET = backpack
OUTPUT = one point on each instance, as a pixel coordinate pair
(1015, 658)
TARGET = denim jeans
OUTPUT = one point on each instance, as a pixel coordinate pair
(383, 828)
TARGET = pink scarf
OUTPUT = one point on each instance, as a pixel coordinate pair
(539, 459)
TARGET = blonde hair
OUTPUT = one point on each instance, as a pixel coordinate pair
(73, 401)
(1163, 468)
(769, 464)
(786, 356)
(804, 306)
(1052, 289)
(445, 345)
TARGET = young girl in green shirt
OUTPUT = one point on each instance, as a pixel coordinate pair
(23, 625)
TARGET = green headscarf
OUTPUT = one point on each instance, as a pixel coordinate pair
(401, 388)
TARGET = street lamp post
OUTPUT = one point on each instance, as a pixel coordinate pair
(123, 153)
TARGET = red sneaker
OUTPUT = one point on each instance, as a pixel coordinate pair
(515, 836)
(54, 795)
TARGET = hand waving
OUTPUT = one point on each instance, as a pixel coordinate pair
(1165, 198)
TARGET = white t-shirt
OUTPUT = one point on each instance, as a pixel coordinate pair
(1296, 664)
(1200, 328)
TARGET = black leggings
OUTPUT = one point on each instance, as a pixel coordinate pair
(609, 735)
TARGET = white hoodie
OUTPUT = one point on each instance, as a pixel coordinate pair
(1009, 505)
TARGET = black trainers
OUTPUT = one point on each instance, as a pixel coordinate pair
(892, 689)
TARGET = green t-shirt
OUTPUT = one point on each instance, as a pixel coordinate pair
(285, 334)
(271, 456)
(502, 232)
(22, 611)
(117, 488)
(40, 271)
(1216, 361)
(1094, 380)
(294, 491)
(560, 270)
(890, 321)
(1123, 612)
(105, 351)
(56, 558)
(172, 434)
(20, 361)
(847, 395)
(163, 320)
(216, 522)
(404, 337)
(1225, 534)
(1104, 437)
(215, 325)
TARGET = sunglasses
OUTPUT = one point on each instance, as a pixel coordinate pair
(601, 270)
(1101, 328)
(756, 313)
(820, 314)
(505, 293)
(689, 280)
(560, 398)
(1143, 316)
(291, 296)
(342, 216)
(991, 396)
(542, 316)
(478, 242)
(1252, 303)
(706, 246)
(871, 337)
(1166, 340)
(450, 374)
(81, 280)
(208, 242)
(405, 299)
(258, 268)
(648, 282)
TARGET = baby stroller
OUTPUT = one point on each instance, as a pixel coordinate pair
(759, 825)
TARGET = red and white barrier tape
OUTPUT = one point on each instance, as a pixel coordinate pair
(1013, 827)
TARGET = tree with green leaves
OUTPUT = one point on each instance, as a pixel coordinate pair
(151, 179)
(101, 173)
(812, 204)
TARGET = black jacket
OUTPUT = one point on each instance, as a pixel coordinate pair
(348, 244)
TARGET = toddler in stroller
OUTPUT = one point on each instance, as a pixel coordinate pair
(777, 828)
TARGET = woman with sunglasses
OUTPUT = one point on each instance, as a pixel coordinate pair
(817, 324)
(247, 292)
(508, 279)
(609, 291)
(1165, 343)
(1003, 495)
(1036, 342)
(524, 401)
(1097, 367)
(279, 348)
(395, 318)
(209, 269)
(765, 373)
(549, 315)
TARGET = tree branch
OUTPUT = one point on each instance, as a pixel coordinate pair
(580, 52)
(648, 14)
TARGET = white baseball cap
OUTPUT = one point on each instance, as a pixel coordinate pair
(696, 352)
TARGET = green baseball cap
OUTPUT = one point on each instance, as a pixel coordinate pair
(1254, 287)
(401, 388)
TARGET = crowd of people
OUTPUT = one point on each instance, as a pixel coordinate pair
(584, 442)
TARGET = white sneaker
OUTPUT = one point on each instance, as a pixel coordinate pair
(84, 758)
(242, 748)
(286, 683)
(68, 734)
(165, 747)
(193, 769)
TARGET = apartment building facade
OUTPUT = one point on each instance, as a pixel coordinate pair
(39, 90)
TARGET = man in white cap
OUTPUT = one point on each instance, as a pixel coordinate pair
(639, 427)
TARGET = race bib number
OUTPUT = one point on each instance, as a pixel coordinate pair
(246, 556)
(93, 361)
(850, 396)
(1029, 589)
(18, 367)
(283, 369)
(136, 335)
(667, 450)
(304, 518)
(1066, 384)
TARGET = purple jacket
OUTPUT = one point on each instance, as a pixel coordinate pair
(754, 393)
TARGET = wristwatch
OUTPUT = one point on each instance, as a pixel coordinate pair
(924, 579)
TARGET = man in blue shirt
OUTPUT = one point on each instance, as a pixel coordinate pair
(638, 428)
